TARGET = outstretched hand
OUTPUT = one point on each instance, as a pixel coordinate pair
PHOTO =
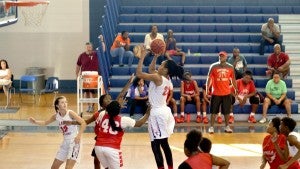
(139, 51)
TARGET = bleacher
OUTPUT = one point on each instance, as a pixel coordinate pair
(204, 30)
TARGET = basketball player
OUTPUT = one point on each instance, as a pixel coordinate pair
(70, 147)
(109, 127)
(287, 127)
(197, 158)
(104, 100)
(161, 122)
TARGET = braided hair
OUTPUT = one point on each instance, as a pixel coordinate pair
(113, 109)
(174, 70)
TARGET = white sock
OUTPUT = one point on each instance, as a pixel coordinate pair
(204, 114)
(198, 113)
(175, 114)
(182, 113)
(252, 114)
(231, 114)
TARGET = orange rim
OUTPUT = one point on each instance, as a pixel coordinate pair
(8, 4)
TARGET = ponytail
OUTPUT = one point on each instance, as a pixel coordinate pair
(113, 109)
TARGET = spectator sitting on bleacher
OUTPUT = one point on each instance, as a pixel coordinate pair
(189, 94)
(138, 96)
(276, 95)
(120, 48)
(270, 35)
(147, 42)
(171, 48)
(238, 62)
(278, 62)
(246, 94)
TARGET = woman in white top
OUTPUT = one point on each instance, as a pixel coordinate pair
(161, 122)
(70, 147)
(5, 76)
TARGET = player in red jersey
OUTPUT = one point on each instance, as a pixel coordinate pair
(274, 145)
(109, 128)
(190, 94)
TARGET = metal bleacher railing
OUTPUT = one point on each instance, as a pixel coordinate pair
(109, 31)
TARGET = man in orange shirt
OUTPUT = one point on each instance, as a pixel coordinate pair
(120, 48)
(220, 76)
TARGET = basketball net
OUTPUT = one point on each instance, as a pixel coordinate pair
(33, 11)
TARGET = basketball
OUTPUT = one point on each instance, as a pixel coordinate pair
(158, 46)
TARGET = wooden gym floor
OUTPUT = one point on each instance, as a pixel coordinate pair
(28, 147)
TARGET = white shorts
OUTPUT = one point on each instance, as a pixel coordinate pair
(69, 150)
(161, 123)
(109, 157)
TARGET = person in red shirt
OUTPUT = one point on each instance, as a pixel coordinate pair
(88, 61)
(109, 128)
(190, 94)
(120, 48)
(246, 94)
(278, 62)
(273, 147)
(198, 159)
(220, 76)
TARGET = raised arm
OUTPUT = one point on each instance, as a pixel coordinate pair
(124, 90)
(146, 76)
(42, 122)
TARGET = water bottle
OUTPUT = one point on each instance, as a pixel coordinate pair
(189, 52)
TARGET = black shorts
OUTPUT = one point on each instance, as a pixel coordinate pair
(89, 90)
(223, 101)
(93, 153)
(281, 105)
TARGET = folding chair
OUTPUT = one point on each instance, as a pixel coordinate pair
(28, 85)
(52, 85)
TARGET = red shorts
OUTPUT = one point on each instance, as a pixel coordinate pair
(172, 52)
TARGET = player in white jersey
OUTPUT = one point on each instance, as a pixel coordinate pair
(70, 147)
(287, 127)
(161, 122)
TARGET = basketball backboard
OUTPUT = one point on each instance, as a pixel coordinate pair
(8, 16)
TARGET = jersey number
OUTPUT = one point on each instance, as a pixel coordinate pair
(107, 129)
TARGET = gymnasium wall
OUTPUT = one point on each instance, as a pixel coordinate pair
(56, 44)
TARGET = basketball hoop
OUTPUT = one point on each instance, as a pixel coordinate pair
(33, 11)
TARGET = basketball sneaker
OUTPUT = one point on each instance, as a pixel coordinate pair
(198, 119)
(263, 120)
(228, 129)
(231, 119)
(219, 119)
(211, 130)
(182, 119)
(251, 119)
(177, 119)
(205, 120)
